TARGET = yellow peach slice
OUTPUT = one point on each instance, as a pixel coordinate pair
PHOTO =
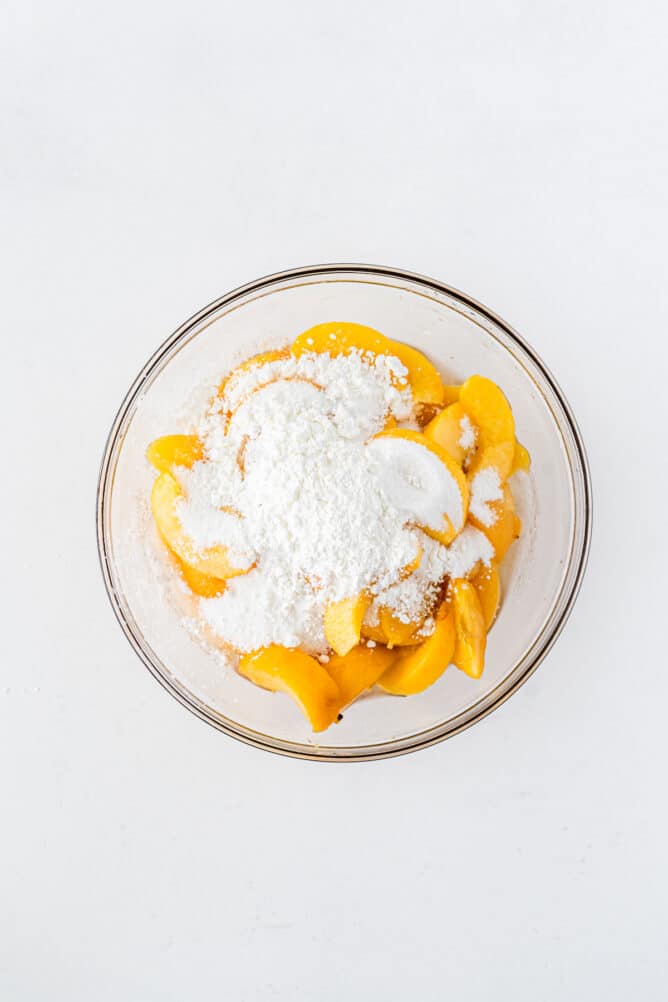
(499, 456)
(358, 670)
(374, 632)
(174, 450)
(398, 634)
(343, 622)
(339, 338)
(284, 669)
(521, 459)
(454, 431)
(417, 668)
(487, 406)
(423, 480)
(254, 362)
(213, 561)
(426, 383)
(487, 584)
(503, 529)
(201, 584)
(471, 634)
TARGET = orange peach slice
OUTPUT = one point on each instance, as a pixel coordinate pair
(423, 480)
(358, 670)
(214, 561)
(470, 629)
(284, 669)
(201, 584)
(487, 584)
(521, 459)
(341, 338)
(343, 622)
(426, 384)
(454, 431)
(397, 633)
(499, 456)
(174, 450)
(487, 406)
(504, 527)
(255, 362)
(417, 668)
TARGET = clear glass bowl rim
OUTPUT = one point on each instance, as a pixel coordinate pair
(542, 644)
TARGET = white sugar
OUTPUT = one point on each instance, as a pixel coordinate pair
(485, 488)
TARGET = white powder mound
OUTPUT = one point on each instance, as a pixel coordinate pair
(290, 486)
(485, 488)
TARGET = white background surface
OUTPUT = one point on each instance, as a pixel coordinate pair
(155, 156)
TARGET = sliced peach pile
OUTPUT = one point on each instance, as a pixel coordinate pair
(429, 475)
(285, 669)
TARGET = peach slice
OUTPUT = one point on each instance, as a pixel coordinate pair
(470, 628)
(504, 529)
(454, 431)
(174, 450)
(397, 633)
(423, 480)
(499, 456)
(214, 561)
(285, 669)
(417, 668)
(487, 584)
(374, 632)
(487, 406)
(254, 362)
(201, 584)
(426, 383)
(358, 670)
(521, 459)
(341, 338)
(343, 622)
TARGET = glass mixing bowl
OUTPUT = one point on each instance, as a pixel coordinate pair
(541, 574)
